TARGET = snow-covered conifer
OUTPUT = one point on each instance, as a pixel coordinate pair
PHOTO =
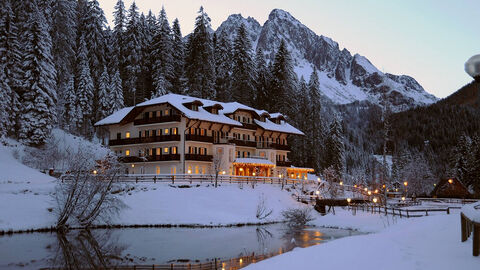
(243, 70)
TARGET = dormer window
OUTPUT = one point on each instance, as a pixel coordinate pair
(214, 111)
(262, 118)
(194, 107)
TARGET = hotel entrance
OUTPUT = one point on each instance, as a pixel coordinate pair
(253, 167)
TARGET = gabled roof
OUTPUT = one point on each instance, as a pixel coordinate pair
(203, 114)
(115, 117)
(283, 127)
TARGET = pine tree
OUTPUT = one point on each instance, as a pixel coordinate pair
(103, 95)
(282, 90)
(94, 23)
(461, 154)
(334, 156)
(243, 71)
(178, 58)
(133, 55)
(200, 67)
(10, 66)
(119, 29)
(70, 105)
(162, 54)
(263, 79)
(223, 67)
(38, 109)
(84, 89)
(314, 115)
(116, 92)
(301, 144)
(5, 92)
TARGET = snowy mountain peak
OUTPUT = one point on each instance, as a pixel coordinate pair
(343, 78)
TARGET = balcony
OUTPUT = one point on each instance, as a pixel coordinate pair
(264, 145)
(281, 146)
(156, 120)
(243, 143)
(152, 139)
(199, 138)
(249, 126)
(131, 159)
(284, 163)
(198, 157)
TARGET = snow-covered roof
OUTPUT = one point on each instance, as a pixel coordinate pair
(283, 127)
(115, 117)
(179, 102)
(254, 161)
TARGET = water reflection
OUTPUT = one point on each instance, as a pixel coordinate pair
(229, 248)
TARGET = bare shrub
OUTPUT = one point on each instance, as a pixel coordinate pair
(297, 217)
(84, 196)
(262, 209)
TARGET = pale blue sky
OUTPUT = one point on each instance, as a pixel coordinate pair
(429, 40)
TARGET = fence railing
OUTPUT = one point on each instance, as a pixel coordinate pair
(468, 227)
(408, 213)
(202, 178)
(448, 200)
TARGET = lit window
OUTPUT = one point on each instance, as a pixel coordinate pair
(174, 150)
(167, 112)
(158, 170)
(189, 169)
(174, 131)
(165, 150)
(173, 170)
(203, 170)
(158, 151)
(166, 131)
(196, 170)
(127, 152)
(127, 135)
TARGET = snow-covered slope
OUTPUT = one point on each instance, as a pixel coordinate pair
(344, 77)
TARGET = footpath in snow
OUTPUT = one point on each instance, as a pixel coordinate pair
(431, 242)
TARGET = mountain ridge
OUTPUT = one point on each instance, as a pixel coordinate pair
(344, 78)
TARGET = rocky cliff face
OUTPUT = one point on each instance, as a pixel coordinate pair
(344, 77)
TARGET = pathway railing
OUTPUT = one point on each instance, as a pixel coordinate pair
(408, 213)
(468, 227)
(203, 178)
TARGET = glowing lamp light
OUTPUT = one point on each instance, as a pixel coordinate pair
(318, 179)
(292, 175)
(341, 183)
(405, 183)
(376, 190)
(224, 172)
(366, 189)
(94, 171)
(133, 165)
(450, 181)
(349, 200)
(369, 193)
(375, 200)
(355, 186)
(383, 186)
(241, 169)
(241, 260)
(305, 178)
(317, 192)
(403, 198)
(253, 174)
(189, 171)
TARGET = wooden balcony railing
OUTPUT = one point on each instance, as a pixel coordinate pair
(199, 138)
(155, 120)
(131, 159)
(281, 146)
(249, 126)
(284, 163)
(152, 139)
(243, 143)
(198, 157)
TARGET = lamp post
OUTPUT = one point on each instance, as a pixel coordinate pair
(405, 184)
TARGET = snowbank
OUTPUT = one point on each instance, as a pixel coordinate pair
(202, 205)
(420, 243)
(472, 211)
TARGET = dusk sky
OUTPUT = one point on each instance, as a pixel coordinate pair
(429, 40)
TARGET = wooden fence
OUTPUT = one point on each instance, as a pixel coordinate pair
(448, 200)
(468, 227)
(408, 213)
(203, 178)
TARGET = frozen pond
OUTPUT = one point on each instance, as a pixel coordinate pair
(202, 248)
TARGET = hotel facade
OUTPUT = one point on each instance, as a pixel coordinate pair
(177, 134)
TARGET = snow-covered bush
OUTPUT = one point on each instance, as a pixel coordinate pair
(262, 209)
(297, 217)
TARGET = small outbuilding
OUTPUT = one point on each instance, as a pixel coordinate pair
(450, 188)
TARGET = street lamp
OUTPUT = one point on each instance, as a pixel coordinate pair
(375, 200)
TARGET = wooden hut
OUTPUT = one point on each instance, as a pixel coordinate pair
(450, 188)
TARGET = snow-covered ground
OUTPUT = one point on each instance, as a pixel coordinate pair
(431, 242)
